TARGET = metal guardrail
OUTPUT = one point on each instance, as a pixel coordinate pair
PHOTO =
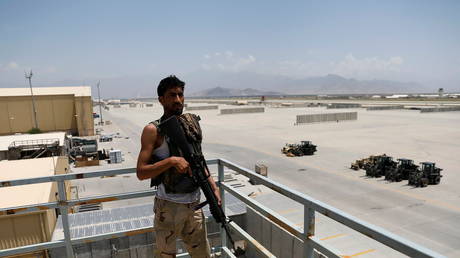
(48, 141)
(307, 235)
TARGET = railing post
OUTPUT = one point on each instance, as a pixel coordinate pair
(220, 169)
(308, 230)
(65, 217)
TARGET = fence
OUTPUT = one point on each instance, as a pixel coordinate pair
(328, 117)
(307, 236)
(242, 110)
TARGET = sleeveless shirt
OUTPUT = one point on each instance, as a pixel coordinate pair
(162, 153)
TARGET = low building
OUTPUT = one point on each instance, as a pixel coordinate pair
(66, 109)
(33, 227)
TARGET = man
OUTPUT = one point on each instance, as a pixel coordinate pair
(174, 214)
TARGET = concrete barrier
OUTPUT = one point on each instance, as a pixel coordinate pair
(440, 109)
(343, 105)
(329, 117)
(385, 107)
(202, 107)
(242, 110)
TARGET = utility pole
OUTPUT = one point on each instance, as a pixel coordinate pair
(100, 104)
(29, 76)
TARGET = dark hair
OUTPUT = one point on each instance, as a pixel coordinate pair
(169, 82)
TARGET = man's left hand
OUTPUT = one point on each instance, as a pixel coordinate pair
(217, 194)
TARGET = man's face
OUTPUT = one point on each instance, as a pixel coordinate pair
(173, 101)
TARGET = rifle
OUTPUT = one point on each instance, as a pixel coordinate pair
(173, 129)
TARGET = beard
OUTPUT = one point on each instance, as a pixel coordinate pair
(177, 111)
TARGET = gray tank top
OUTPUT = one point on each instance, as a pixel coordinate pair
(161, 153)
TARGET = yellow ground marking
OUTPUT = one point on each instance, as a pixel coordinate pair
(360, 253)
(330, 237)
(415, 196)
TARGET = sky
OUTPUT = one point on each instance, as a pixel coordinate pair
(81, 42)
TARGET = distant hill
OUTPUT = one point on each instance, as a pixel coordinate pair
(332, 83)
(280, 85)
(224, 92)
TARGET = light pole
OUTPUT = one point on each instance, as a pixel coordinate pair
(29, 76)
(100, 105)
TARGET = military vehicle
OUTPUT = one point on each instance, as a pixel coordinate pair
(382, 164)
(417, 179)
(363, 163)
(427, 174)
(371, 161)
(402, 171)
(358, 164)
(304, 148)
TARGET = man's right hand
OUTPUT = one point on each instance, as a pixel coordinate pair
(181, 165)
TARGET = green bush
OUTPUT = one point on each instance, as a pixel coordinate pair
(34, 131)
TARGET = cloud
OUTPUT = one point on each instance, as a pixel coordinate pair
(368, 66)
(9, 67)
(228, 61)
(348, 66)
(12, 65)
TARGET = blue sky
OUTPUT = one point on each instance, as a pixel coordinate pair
(84, 41)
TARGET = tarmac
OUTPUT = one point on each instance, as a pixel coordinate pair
(427, 216)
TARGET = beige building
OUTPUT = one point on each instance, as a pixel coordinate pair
(66, 109)
(33, 227)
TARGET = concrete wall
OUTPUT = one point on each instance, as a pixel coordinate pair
(242, 110)
(277, 240)
(54, 113)
(329, 117)
(343, 105)
(440, 109)
(202, 107)
(385, 107)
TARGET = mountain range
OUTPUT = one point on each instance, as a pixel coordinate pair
(220, 83)
(329, 84)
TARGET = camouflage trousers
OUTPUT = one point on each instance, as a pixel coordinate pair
(174, 220)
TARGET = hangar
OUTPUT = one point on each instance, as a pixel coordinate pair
(66, 109)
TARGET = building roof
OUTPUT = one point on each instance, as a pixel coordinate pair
(21, 169)
(6, 140)
(78, 91)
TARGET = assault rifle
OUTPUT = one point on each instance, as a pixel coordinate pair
(173, 129)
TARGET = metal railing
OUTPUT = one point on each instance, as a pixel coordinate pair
(25, 143)
(307, 236)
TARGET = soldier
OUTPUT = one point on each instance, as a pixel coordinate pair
(176, 195)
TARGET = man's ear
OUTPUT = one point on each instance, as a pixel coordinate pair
(160, 99)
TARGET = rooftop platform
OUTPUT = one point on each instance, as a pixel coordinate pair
(6, 140)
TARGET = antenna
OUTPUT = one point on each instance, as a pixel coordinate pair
(100, 105)
(29, 76)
